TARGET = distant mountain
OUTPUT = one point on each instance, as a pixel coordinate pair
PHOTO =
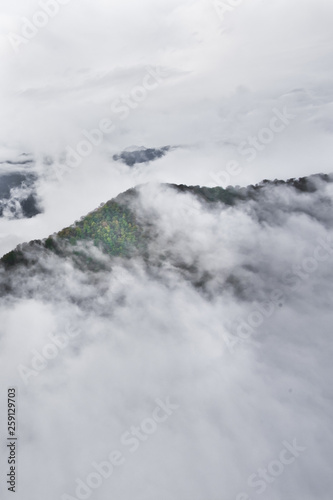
(11, 157)
(18, 196)
(134, 155)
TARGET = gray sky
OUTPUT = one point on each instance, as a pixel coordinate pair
(223, 75)
(244, 95)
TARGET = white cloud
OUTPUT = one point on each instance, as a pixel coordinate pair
(147, 333)
(220, 89)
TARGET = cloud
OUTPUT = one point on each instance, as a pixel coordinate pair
(231, 318)
(18, 195)
(223, 78)
(148, 330)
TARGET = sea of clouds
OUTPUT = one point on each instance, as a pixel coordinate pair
(204, 76)
(203, 373)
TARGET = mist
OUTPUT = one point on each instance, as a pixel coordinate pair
(185, 74)
(230, 319)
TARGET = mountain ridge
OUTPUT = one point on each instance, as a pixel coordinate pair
(114, 227)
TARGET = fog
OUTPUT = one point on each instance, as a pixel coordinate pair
(202, 369)
(211, 81)
(144, 331)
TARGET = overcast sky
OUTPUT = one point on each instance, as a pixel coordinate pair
(222, 77)
(242, 95)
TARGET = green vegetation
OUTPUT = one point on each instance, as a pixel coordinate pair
(112, 227)
(13, 258)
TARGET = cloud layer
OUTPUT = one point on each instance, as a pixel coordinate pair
(182, 326)
(219, 78)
